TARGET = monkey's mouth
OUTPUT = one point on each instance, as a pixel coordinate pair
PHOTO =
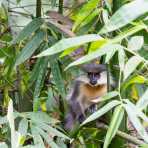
(93, 83)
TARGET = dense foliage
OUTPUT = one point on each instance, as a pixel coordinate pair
(38, 64)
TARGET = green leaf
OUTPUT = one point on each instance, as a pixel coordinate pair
(3, 145)
(41, 117)
(39, 83)
(30, 48)
(84, 12)
(114, 125)
(23, 127)
(28, 30)
(52, 130)
(47, 138)
(134, 80)
(135, 43)
(137, 111)
(10, 117)
(106, 97)
(121, 58)
(136, 123)
(111, 52)
(93, 55)
(37, 138)
(143, 101)
(101, 111)
(68, 43)
(126, 14)
(131, 65)
(57, 77)
(3, 120)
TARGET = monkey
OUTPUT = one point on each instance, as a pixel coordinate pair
(86, 93)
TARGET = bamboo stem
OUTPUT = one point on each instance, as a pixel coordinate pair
(38, 8)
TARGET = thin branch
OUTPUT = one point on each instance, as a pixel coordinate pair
(121, 134)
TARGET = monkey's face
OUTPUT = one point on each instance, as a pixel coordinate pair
(93, 78)
(99, 78)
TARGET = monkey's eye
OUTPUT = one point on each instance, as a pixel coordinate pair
(97, 74)
(89, 73)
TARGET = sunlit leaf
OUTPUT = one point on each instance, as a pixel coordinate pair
(136, 123)
(114, 125)
(135, 43)
(106, 97)
(52, 130)
(3, 120)
(47, 138)
(41, 117)
(143, 101)
(137, 111)
(101, 111)
(93, 55)
(126, 14)
(37, 138)
(131, 65)
(23, 127)
(121, 58)
(84, 12)
(30, 48)
(97, 44)
(14, 134)
(3, 145)
(68, 43)
(134, 80)
(28, 30)
(110, 54)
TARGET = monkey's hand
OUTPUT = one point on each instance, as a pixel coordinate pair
(92, 108)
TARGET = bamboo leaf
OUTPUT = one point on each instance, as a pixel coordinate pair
(39, 82)
(37, 138)
(114, 125)
(136, 123)
(121, 58)
(3, 145)
(14, 134)
(110, 54)
(106, 97)
(28, 30)
(93, 55)
(126, 14)
(30, 48)
(3, 120)
(101, 111)
(52, 130)
(41, 117)
(84, 12)
(131, 65)
(143, 101)
(134, 80)
(136, 110)
(57, 77)
(87, 10)
(68, 43)
(135, 43)
(47, 138)
(23, 127)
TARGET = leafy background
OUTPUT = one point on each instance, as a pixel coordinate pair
(40, 54)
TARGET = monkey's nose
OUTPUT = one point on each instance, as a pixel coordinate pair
(93, 82)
